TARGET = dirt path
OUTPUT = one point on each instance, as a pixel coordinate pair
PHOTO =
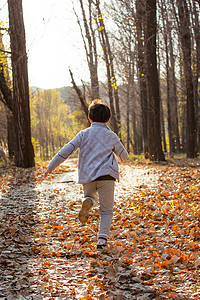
(45, 253)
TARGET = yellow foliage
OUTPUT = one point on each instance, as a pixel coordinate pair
(101, 28)
(50, 121)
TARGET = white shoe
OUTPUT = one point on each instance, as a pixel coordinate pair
(101, 244)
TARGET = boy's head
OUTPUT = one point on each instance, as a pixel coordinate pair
(99, 111)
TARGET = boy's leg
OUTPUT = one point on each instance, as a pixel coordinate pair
(90, 199)
(105, 190)
(90, 191)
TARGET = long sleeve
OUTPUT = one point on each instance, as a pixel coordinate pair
(120, 151)
(65, 152)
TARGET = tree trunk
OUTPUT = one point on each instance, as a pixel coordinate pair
(185, 36)
(162, 123)
(169, 110)
(169, 100)
(111, 80)
(8, 102)
(140, 25)
(24, 153)
(183, 109)
(90, 48)
(130, 94)
(10, 134)
(197, 75)
(5, 88)
(154, 130)
(172, 93)
(128, 119)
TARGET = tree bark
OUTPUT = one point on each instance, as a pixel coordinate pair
(154, 130)
(24, 153)
(128, 119)
(174, 94)
(185, 37)
(183, 109)
(8, 102)
(140, 25)
(10, 134)
(197, 75)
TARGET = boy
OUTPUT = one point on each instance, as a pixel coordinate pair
(97, 166)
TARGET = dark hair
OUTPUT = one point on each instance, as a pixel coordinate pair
(99, 111)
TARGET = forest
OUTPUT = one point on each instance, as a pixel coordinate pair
(143, 60)
(149, 53)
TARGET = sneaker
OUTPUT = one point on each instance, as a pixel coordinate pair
(101, 244)
(85, 209)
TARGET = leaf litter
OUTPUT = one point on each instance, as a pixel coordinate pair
(154, 248)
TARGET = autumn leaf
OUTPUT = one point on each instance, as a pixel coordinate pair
(153, 247)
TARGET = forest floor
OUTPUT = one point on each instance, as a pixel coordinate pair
(154, 247)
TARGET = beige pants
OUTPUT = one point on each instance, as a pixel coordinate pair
(102, 192)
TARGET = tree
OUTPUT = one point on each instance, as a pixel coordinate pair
(51, 122)
(172, 117)
(6, 98)
(111, 79)
(142, 72)
(90, 46)
(173, 130)
(196, 74)
(154, 130)
(24, 153)
(185, 37)
(124, 53)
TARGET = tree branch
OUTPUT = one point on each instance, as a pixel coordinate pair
(4, 51)
(80, 95)
(5, 90)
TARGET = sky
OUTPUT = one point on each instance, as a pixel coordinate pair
(53, 42)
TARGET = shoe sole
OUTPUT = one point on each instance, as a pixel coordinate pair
(84, 212)
(102, 249)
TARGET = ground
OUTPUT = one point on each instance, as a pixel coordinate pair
(153, 253)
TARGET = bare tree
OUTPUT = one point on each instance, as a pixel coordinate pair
(142, 72)
(111, 79)
(154, 130)
(6, 98)
(196, 75)
(185, 37)
(89, 41)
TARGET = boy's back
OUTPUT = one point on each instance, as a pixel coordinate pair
(97, 147)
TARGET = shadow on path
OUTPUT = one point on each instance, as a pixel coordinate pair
(17, 218)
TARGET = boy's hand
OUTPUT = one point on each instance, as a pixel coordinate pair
(47, 172)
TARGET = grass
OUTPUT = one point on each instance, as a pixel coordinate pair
(135, 157)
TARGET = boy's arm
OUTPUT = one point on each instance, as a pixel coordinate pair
(64, 153)
(120, 151)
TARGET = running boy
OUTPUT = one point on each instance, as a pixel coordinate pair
(97, 166)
